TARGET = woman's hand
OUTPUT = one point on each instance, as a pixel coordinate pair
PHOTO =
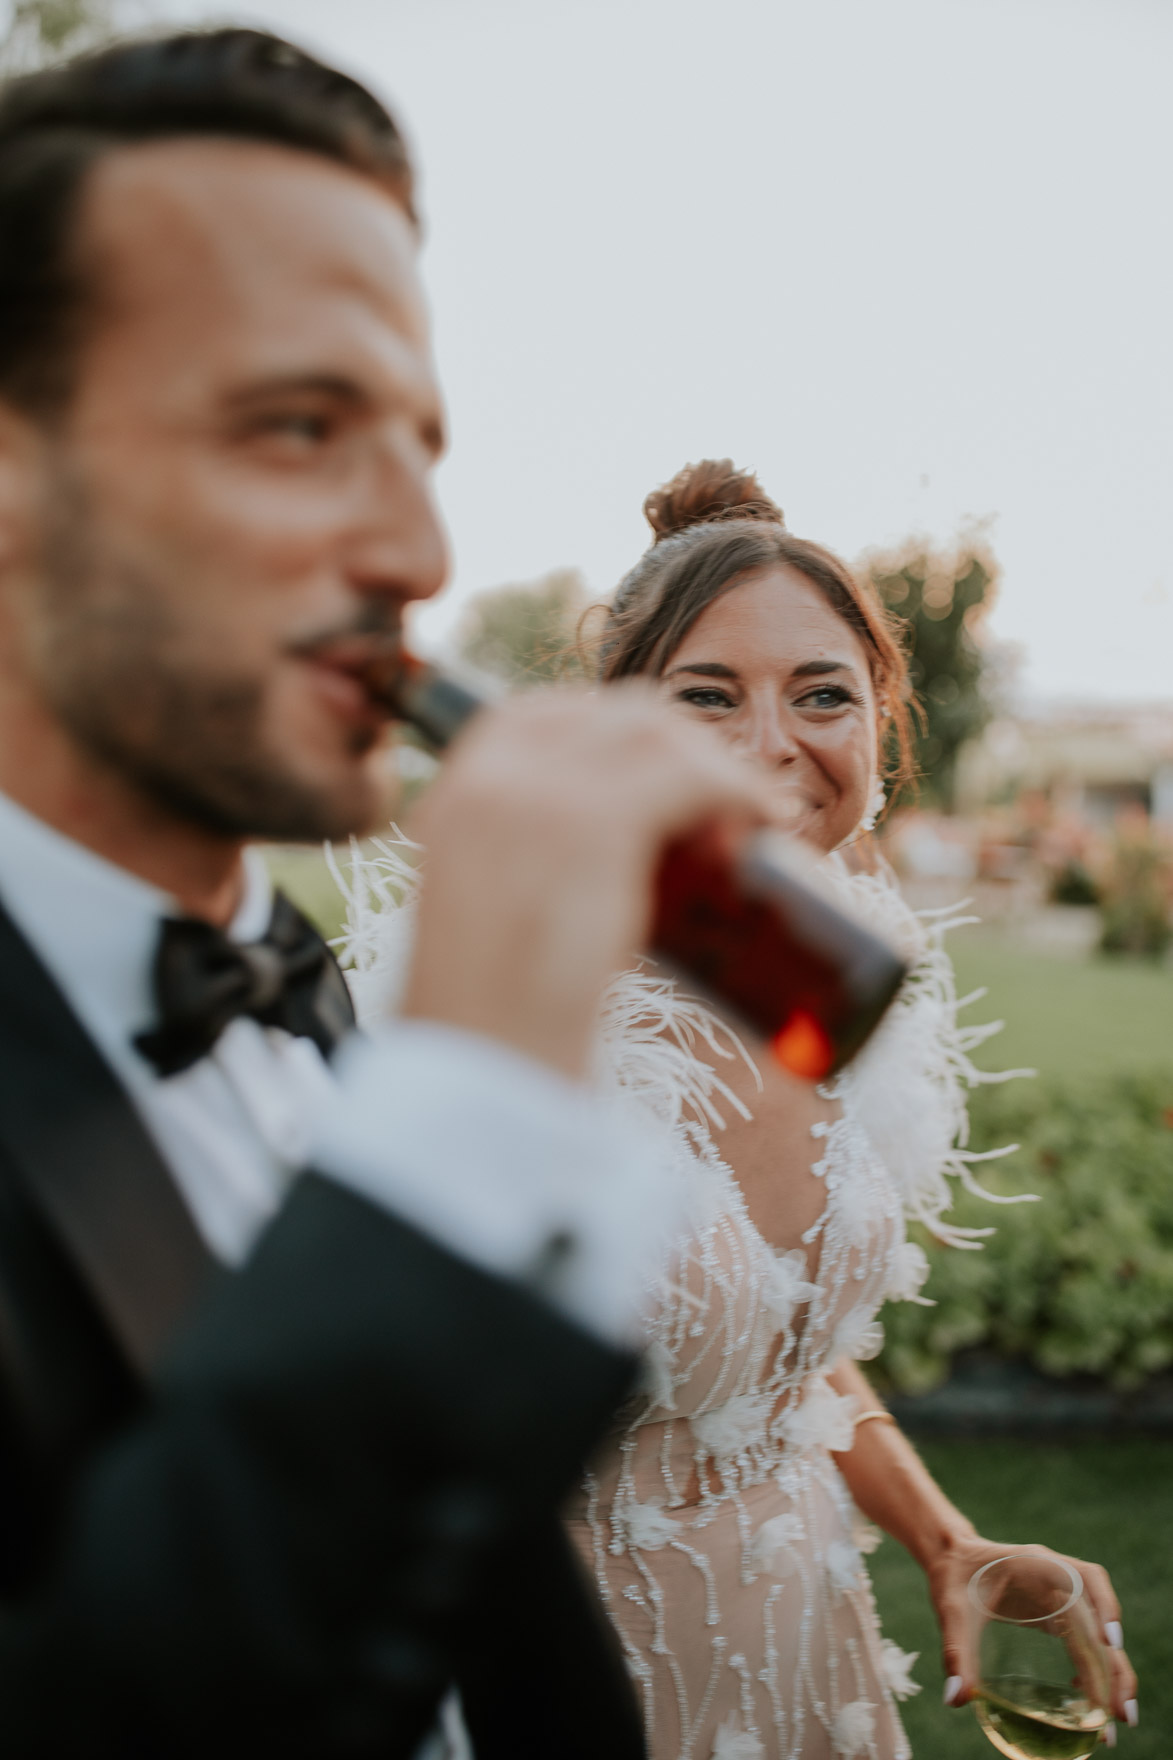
(949, 1573)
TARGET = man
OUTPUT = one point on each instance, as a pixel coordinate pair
(281, 1455)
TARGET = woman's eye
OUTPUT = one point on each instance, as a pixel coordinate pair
(827, 696)
(706, 697)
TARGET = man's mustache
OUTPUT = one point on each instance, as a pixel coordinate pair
(374, 633)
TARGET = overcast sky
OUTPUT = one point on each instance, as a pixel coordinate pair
(911, 259)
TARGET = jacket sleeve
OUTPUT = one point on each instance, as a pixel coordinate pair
(353, 1445)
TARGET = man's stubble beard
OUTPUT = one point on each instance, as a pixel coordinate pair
(128, 679)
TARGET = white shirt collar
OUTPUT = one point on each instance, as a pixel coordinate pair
(96, 925)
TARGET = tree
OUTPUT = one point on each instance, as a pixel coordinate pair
(526, 633)
(40, 31)
(943, 598)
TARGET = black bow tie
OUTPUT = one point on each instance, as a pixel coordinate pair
(203, 981)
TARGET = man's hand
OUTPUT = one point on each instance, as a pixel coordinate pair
(543, 834)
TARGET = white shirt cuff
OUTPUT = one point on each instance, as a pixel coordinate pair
(507, 1163)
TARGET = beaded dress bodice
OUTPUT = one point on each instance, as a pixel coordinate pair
(717, 1524)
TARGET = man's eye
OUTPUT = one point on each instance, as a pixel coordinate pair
(707, 697)
(309, 428)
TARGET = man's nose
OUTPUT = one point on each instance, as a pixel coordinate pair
(400, 549)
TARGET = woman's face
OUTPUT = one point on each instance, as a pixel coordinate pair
(784, 679)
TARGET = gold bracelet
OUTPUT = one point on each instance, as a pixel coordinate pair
(875, 1412)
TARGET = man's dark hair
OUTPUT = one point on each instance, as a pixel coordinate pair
(56, 124)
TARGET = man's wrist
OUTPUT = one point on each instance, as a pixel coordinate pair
(497, 1156)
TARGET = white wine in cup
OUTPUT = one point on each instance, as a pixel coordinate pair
(1044, 1690)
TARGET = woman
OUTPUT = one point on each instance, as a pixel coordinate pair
(723, 1525)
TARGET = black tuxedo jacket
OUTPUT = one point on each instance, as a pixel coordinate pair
(275, 1510)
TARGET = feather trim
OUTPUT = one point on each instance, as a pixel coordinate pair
(653, 1044)
(909, 1085)
(658, 1046)
(380, 887)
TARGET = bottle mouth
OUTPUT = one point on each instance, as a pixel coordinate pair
(1060, 1566)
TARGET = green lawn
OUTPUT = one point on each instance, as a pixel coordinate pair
(303, 874)
(1066, 1017)
(1103, 1500)
(1107, 1501)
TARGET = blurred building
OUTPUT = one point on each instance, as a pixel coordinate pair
(1093, 764)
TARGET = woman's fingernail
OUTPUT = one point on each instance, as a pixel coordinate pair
(1114, 1632)
(1109, 1735)
(952, 1688)
(1131, 1713)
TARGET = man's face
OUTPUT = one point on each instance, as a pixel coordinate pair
(239, 498)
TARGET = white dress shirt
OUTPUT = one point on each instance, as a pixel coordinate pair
(491, 1153)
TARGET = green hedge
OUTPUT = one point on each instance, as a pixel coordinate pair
(1083, 1280)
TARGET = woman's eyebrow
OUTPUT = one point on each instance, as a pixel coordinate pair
(820, 668)
(704, 669)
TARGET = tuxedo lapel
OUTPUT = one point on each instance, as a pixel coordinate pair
(88, 1163)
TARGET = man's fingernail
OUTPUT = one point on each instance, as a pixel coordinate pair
(1114, 1632)
(1109, 1735)
(952, 1688)
(1131, 1713)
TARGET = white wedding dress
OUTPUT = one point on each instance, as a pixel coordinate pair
(720, 1531)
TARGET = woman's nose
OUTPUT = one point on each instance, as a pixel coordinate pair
(767, 735)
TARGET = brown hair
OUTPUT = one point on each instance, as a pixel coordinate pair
(56, 124)
(713, 524)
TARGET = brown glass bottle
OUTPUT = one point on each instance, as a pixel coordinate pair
(740, 920)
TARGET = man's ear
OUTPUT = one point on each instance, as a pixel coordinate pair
(22, 461)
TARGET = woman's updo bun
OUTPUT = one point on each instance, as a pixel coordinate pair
(703, 493)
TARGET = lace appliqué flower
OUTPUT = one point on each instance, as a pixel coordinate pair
(844, 1565)
(822, 1419)
(773, 1546)
(909, 1272)
(858, 1336)
(786, 1285)
(734, 1743)
(729, 1430)
(853, 1728)
(657, 1376)
(645, 1526)
(897, 1667)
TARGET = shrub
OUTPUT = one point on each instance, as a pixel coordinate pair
(1081, 1281)
(1134, 910)
(1073, 883)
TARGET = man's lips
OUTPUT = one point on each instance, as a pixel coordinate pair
(353, 676)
